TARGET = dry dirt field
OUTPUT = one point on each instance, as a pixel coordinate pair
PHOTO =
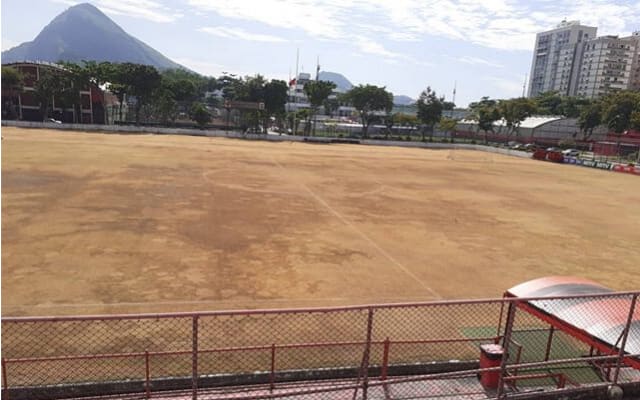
(95, 223)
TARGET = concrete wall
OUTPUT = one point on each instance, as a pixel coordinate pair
(142, 130)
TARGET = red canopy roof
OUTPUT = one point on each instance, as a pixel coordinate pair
(600, 319)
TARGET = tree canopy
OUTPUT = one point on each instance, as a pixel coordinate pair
(317, 92)
(369, 101)
(430, 108)
(514, 111)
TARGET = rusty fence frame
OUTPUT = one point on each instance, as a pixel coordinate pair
(507, 372)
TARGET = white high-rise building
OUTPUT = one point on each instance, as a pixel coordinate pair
(556, 56)
(606, 66)
(634, 79)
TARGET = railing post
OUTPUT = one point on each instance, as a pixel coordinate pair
(367, 352)
(562, 381)
(147, 383)
(272, 375)
(500, 322)
(5, 386)
(194, 358)
(625, 335)
(385, 360)
(547, 352)
(508, 328)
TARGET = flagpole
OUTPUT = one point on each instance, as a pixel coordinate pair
(455, 84)
(295, 97)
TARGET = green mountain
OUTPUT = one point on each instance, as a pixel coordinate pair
(402, 100)
(83, 32)
(341, 82)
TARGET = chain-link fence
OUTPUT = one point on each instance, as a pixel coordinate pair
(460, 349)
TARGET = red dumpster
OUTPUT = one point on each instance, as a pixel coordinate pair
(490, 357)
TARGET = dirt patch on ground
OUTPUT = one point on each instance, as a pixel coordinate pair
(97, 223)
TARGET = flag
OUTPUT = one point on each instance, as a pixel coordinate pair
(292, 82)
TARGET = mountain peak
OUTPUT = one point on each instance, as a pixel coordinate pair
(84, 32)
(342, 83)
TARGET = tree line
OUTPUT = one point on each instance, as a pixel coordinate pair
(155, 96)
(164, 96)
(618, 111)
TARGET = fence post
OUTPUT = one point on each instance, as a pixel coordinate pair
(508, 328)
(385, 360)
(625, 334)
(367, 351)
(272, 375)
(549, 342)
(5, 386)
(147, 374)
(194, 358)
(499, 322)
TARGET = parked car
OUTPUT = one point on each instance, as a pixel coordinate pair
(554, 149)
(571, 153)
(55, 121)
(531, 147)
(518, 147)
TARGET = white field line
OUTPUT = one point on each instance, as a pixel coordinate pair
(380, 250)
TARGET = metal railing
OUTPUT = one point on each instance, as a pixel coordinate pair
(397, 350)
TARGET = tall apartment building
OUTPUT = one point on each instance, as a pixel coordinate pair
(634, 79)
(606, 65)
(554, 65)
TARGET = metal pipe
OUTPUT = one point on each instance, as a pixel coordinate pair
(238, 349)
(385, 360)
(194, 358)
(147, 376)
(505, 300)
(625, 335)
(272, 375)
(367, 352)
(500, 318)
(5, 385)
(508, 327)
(549, 341)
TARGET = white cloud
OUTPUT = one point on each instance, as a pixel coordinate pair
(478, 61)
(236, 33)
(8, 43)
(67, 2)
(369, 46)
(313, 17)
(510, 87)
(143, 9)
(209, 68)
(202, 66)
(498, 24)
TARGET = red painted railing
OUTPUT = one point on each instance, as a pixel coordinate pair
(286, 345)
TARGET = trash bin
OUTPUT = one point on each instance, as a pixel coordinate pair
(490, 357)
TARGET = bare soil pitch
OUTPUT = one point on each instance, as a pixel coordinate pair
(95, 223)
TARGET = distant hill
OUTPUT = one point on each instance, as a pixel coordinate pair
(342, 83)
(402, 100)
(83, 32)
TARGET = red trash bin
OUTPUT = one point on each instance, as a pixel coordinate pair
(490, 357)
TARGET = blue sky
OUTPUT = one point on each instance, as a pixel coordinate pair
(404, 45)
